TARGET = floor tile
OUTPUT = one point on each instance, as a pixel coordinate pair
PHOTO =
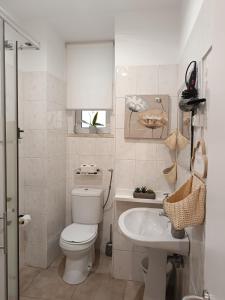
(27, 275)
(31, 298)
(49, 285)
(57, 262)
(134, 290)
(103, 264)
(100, 287)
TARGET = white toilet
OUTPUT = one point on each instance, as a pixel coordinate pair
(77, 240)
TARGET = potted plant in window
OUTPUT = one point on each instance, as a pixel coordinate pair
(93, 124)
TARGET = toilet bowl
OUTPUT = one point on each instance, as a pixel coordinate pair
(77, 240)
(77, 244)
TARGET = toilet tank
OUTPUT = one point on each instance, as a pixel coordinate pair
(87, 205)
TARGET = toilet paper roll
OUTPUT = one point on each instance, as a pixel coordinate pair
(24, 220)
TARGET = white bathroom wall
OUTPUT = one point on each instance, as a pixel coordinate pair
(42, 150)
(134, 161)
(197, 45)
(140, 162)
(99, 151)
(142, 67)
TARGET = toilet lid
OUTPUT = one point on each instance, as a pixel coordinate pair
(79, 233)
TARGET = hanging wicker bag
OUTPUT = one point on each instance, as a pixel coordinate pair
(186, 206)
(170, 173)
(176, 140)
(182, 141)
(171, 141)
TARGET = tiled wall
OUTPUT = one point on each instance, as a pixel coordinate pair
(99, 151)
(139, 162)
(135, 162)
(42, 165)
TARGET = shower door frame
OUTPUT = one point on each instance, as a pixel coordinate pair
(5, 19)
(4, 184)
(6, 220)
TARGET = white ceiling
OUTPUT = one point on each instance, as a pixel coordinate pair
(83, 20)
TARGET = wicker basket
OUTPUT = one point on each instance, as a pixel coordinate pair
(171, 141)
(182, 141)
(186, 206)
(176, 140)
(170, 173)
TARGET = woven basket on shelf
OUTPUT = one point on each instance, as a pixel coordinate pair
(186, 206)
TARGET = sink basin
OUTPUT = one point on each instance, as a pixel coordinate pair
(145, 227)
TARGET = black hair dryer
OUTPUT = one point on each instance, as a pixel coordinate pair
(189, 99)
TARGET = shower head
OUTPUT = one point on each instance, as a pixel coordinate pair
(9, 45)
(27, 46)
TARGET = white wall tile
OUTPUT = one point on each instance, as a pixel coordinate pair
(35, 143)
(44, 162)
(35, 171)
(146, 150)
(35, 116)
(125, 173)
(120, 112)
(147, 80)
(145, 172)
(126, 81)
(125, 148)
(104, 146)
(34, 86)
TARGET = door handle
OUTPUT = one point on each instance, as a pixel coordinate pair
(19, 131)
(4, 219)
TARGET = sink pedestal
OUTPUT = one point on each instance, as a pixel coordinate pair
(155, 288)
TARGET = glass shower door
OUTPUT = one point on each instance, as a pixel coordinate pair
(3, 279)
(11, 124)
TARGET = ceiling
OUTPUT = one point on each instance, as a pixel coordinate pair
(82, 20)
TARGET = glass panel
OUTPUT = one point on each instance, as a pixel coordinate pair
(88, 115)
(2, 170)
(11, 161)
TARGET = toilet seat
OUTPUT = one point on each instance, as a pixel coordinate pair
(78, 234)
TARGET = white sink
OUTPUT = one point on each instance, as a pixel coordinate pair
(145, 227)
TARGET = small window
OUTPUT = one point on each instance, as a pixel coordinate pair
(87, 116)
(84, 117)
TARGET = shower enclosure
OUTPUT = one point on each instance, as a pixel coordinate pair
(12, 41)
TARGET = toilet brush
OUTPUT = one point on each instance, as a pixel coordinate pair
(108, 247)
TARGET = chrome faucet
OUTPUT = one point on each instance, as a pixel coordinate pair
(163, 213)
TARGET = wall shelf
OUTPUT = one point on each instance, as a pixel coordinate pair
(78, 173)
(127, 196)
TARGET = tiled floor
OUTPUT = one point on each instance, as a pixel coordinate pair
(38, 284)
